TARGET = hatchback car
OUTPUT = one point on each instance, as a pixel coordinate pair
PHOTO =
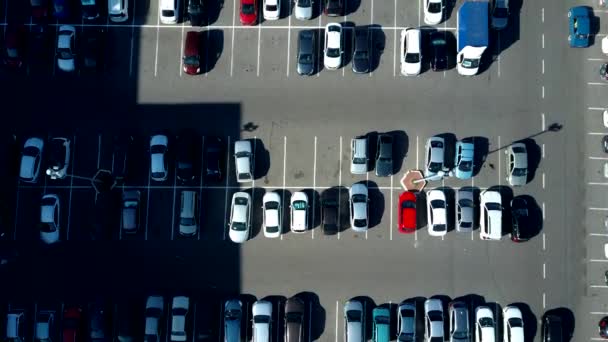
(59, 158)
(358, 195)
(579, 27)
(433, 314)
(214, 158)
(436, 212)
(500, 14)
(31, 159)
(329, 211)
(72, 324)
(233, 314)
(179, 313)
(465, 210)
(484, 325)
(463, 162)
(15, 45)
(521, 220)
(196, 12)
(459, 322)
(192, 53)
(273, 214)
(299, 212)
(130, 211)
(118, 10)
(517, 164)
(243, 159)
(240, 214)
(354, 316)
(407, 212)
(303, 9)
(262, 319)
(362, 53)
(294, 320)
(155, 308)
(433, 11)
(307, 52)
(491, 215)
(248, 14)
(411, 52)
(169, 11)
(50, 215)
(334, 8)
(435, 154)
(552, 330)
(334, 49)
(159, 166)
(15, 326)
(66, 48)
(384, 155)
(513, 327)
(271, 9)
(45, 325)
(381, 319)
(358, 155)
(406, 322)
(439, 47)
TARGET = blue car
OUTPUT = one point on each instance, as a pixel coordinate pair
(61, 9)
(579, 27)
(463, 162)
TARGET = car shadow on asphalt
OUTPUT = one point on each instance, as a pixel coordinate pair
(315, 316)
(376, 204)
(213, 44)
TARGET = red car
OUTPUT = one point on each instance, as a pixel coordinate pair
(72, 324)
(40, 9)
(192, 58)
(249, 12)
(407, 212)
(15, 46)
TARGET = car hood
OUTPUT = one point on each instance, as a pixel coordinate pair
(305, 69)
(303, 12)
(51, 237)
(66, 64)
(238, 236)
(411, 68)
(384, 168)
(361, 65)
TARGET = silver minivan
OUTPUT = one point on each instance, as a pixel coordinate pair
(353, 321)
(118, 10)
(188, 218)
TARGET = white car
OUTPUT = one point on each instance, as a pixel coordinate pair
(303, 9)
(44, 326)
(517, 164)
(118, 10)
(433, 11)
(332, 58)
(179, 311)
(500, 14)
(605, 114)
(240, 212)
(159, 145)
(435, 156)
(411, 54)
(243, 157)
(31, 158)
(273, 215)
(272, 9)
(490, 220)
(262, 318)
(358, 198)
(49, 219)
(358, 155)
(436, 210)
(169, 11)
(433, 313)
(354, 317)
(60, 158)
(484, 325)
(155, 307)
(66, 48)
(299, 212)
(513, 327)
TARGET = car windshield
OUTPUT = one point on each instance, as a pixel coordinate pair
(272, 205)
(293, 317)
(358, 160)
(64, 54)
(12, 53)
(465, 165)
(412, 57)
(437, 204)
(353, 316)
(461, 334)
(439, 227)
(333, 53)
(242, 154)
(232, 315)
(434, 7)
(304, 3)
(187, 221)
(434, 167)
(382, 320)
(168, 13)
(519, 149)
(486, 322)
(435, 316)
(358, 198)
(271, 7)
(519, 172)
(191, 61)
(154, 149)
(47, 227)
(239, 226)
(179, 312)
(406, 337)
(500, 12)
(516, 323)
(306, 58)
(470, 63)
(361, 55)
(299, 205)
(261, 319)
(466, 224)
(493, 206)
(408, 204)
(360, 223)
(248, 9)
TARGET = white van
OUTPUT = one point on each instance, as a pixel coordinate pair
(118, 10)
(169, 11)
(188, 218)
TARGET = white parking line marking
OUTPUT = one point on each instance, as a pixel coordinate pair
(147, 205)
(544, 301)
(499, 167)
(542, 122)
(156, 52)
(543, 66)
(181, 51)
(55, 46)
(543, 151)
(284, 167)
(544, 216)
(173, 208)
(544, 271)
(194, 324)
(598, 260)
(598, 158)
(543, 40)
(390, 228)
(337, 308)
(595, 133)
(200, 190)
(417, 156)
(309, 320)
(259, 45)
(598, 209)
(226, 191)
(598, 313)
(314, 186)
(543, 180)
(544, 242)
(255, 139)
(395, 42)
(596, 83)
(419, 10)
(288, 37)
(598, 286)
(542, 14)
(340, 187)
(71, 184)
(132, 42)
(595, 59)
(234, 9)
(597, 183)
(596, 108)
(597, 234)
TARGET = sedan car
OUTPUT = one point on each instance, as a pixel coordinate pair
(334, 8)
(59, 158)
(358, 196)
(262, 318)
(437, 218)
(159, 168)
(521, 220)
(307, 52)
(500, 14)
(333, 51)
(407, 212)
(153, 318)
(31, 158)
(459, 322)
(552, 329)
(579, 27)
(433, 314)
(179, 313)
(294, 320)
(98, 323)
(411, 52)
(384, 155)
(517, 164)
(463, 162)
(240, 214)
(72, 324)
(484, 325)
(465, 210)
(186, 154)
(605, 143)
(49, 219)
(329, 211)
(299, 212)
(406, 322)
(433, 11)
(439, 46)
(214, 158)
(354, 316)
(358, 155)
(435, 153)
(243, 159)
(130, 211)
(271, 9)
(303, 9)
(44, 328)
(248, 13)
(93, 48)
(362, 53)
(273, 214)
(490, 219)
(15, 44)
(233, 314)
(66, 48)
(513, 327)
(15, 326)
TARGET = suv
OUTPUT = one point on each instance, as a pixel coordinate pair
(130, 211)
(329, 211)
(459, 322)
(358, 155)
(262, 318)
(243, 159)
(188, 213)
(353, 320)
(196, 12)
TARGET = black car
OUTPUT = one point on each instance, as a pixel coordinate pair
(552, 329)
(307, 55)
(384, 156)
(98, 323)
(122, 146)
(603, 327)
(214, 156)
(126, 329)
(605, 143)
(186, 156)
(520, 216)
(39, 50)
(333, 8)
(196, 12)
(89, 9)
(439, 59)
(92, 48)
(362, 54)
(329, 211)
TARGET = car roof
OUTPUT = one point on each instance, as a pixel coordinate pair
(413, 40)
(191, 47)
(242, 146)
(306, 38)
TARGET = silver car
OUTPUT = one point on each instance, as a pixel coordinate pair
(435, 153)
(303, 9)
(353, 321)
(233, 313)
(459, 322)
(465, 210)
(517, 164)
(358, 155)
(406, 322)
(433, 313)
(358, 195)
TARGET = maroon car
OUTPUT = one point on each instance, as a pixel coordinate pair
(40, 9)
(15, 46)
(192, 58)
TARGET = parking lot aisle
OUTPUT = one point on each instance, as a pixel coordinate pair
(315, 192)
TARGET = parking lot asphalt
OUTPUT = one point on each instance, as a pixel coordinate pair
(302, 129)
